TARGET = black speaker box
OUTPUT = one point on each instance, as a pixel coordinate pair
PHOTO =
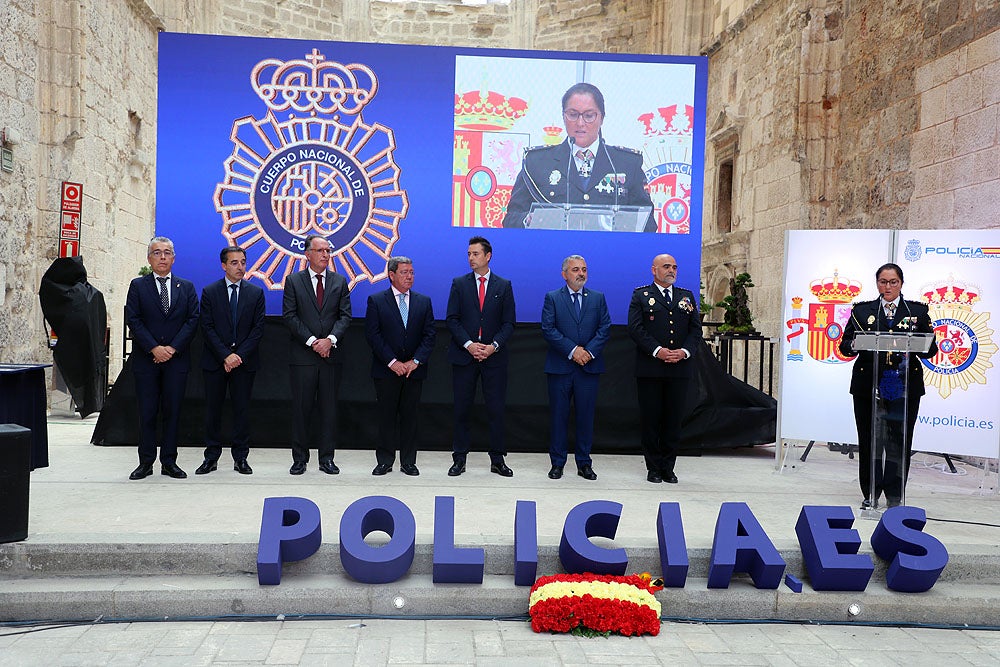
(15, 458)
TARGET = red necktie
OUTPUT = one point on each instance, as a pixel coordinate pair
(482, 299)
(319, 290)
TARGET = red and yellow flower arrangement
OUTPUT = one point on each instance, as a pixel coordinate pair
(595, 604)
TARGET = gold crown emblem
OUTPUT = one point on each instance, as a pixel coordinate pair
(487, 110)
(835, 289)
(951, 292)
(797, 302)
(313, 85)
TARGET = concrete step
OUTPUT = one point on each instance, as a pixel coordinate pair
(967, 563)
(186, 597)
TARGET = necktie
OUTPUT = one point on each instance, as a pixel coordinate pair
(232, 304)
(404, 312)
(319, 290)
(667, 295)
(576, 303)
(482, 299)
(164, 294)
(588, 162)
(890, 311)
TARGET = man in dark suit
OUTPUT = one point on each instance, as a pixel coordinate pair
(232, 323)
(316, 306)
(664, 322)
(575, 324)
(162, 313)
(890, 312)
(399, 326)
(584, 169)
(481, 320)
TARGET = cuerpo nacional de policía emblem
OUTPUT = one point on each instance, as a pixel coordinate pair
(964, 337)
(312, 165)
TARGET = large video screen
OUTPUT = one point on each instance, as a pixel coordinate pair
(391, 150)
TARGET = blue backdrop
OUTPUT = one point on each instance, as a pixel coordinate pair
(205, 87)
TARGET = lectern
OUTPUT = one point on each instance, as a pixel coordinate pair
(587, 217)
(892, 355)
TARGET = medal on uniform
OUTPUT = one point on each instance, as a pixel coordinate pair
(652, 301)
(555, 177)
(871, 319)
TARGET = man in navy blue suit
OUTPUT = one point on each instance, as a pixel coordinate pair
(162, 313)
(481, 321)
(575, 324)
(232, 322)
(399, 326)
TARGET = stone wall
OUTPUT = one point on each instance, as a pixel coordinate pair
(955, 150)
(21, 333)
(847, 114)
(753, 120)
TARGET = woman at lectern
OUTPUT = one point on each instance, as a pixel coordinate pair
(889, 313)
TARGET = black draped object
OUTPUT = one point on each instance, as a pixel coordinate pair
(75, 310)
(722, 411)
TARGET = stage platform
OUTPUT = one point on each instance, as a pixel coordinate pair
(101, 545)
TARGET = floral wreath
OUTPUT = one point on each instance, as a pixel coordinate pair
(595, 604)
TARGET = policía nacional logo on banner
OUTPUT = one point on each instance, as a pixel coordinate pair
(826, 320)
(312, 165)
(964, 338)
(669, 137)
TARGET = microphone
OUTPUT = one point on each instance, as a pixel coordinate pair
(571, 142)
(614, 171)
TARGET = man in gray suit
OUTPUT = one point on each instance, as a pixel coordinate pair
(317, 309)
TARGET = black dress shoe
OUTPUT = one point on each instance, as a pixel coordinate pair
(654, 477)
(501, 469)
(172, 470)
(587, 473)
(555, 472)
(670, 478)
(242, 467)
(143, 470)
(868, 505)
(382, 469)
(456, 469)
(329, 467)
(409, 469)
(207, 466)
(297, 468)
(892, 502)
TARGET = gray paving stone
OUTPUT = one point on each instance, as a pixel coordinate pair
(286, 652)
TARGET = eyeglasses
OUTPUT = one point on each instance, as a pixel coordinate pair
(162, 253)
(890, 283)
(587, 116)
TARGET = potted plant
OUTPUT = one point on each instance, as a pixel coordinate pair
(737, 319)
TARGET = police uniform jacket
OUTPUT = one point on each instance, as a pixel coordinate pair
(654, 322)
(870, 316)
(549, 174)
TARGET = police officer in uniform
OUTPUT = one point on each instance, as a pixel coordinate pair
(581, 170)
(665, 324)
(889, 313)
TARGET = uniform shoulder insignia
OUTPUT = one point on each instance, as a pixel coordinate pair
(627, 149)
(539, 147)
(646, 286)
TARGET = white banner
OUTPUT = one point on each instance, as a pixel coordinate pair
(825, 271)
(957, 273)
